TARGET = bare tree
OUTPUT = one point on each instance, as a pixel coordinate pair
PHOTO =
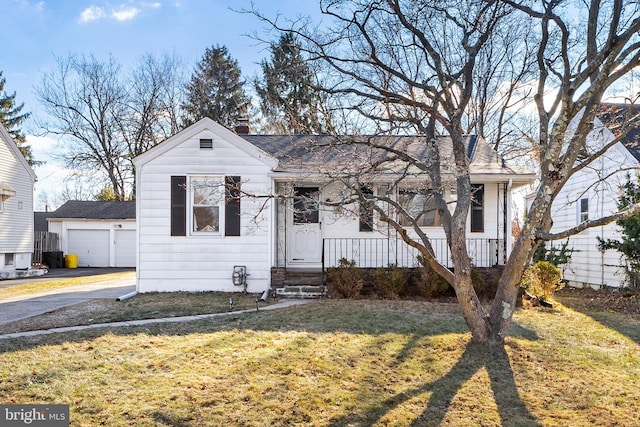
(105, 116)
(414, 67)
(86, 101)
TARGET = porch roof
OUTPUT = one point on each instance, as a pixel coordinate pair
(381, 156)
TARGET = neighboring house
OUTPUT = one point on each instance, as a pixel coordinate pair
(592, 193)
(16, 209)
(101, 234)
(209, 200)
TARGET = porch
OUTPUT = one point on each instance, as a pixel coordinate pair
(381, 252)
(374, 253)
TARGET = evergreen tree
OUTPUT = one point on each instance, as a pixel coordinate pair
(11, 118)
(288, 100)
(216, 90)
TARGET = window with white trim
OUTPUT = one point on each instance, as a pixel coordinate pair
(421, 206)
(583, 214)
(477, 208)
(207, 204)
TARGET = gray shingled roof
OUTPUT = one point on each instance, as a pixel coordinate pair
(299, 153)
(619, 118)
(40, 221)
(79, 209)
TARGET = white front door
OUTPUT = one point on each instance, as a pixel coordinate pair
(305, 234)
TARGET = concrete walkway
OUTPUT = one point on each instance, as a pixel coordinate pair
(278, 305)
(24, 306)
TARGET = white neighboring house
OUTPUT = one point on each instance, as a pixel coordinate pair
(16, 209)
(101, 234)
(592, 193)
(209, 200)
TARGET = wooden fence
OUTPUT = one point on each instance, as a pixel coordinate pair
(44, 241)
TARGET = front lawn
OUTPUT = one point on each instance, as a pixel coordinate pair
(336, 363)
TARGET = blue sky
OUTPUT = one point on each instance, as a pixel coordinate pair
(34, 32)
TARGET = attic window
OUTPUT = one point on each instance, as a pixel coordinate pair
(206, 144)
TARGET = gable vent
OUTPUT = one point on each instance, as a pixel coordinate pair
(206, 143)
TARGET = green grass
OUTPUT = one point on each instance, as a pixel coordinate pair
(335, 363)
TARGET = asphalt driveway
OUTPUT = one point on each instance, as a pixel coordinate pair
(17, 308)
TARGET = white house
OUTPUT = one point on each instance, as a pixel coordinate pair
(210, 202)
(101, 234)
(16, 209)
(593, 193)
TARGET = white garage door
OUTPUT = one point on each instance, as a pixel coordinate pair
(91, 246)
(125, 248)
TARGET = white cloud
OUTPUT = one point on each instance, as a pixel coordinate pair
(41, 146)
(125, 14)
(92, 13)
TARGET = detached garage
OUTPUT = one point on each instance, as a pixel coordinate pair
(102, 234)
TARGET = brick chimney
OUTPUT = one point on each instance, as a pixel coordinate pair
(242, 128)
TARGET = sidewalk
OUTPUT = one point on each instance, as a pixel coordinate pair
(278, 305)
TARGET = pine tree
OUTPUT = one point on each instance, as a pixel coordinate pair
(216, 90)
(11, 118)
(288, 101)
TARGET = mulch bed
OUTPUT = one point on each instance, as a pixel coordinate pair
(618, 300)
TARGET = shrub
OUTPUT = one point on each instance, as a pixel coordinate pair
(390, 282)
(542, 279)
(430, 284)
(346, 280)
(479, 284)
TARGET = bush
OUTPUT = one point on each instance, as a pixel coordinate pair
(390, 282)
(542, 279)
(346, 280)
(430, 284)
(479, 284)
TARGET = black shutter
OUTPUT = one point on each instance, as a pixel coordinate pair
(232, 206)
(178, 205)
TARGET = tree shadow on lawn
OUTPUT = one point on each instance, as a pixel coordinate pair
(627, 324)
(414, 326)
(494, 359)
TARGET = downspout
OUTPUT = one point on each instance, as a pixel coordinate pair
(127, 296)
(507, 237)
(602, 251)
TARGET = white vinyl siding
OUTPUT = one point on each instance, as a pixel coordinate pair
(202, 261)
(16, 212)
(586, 195)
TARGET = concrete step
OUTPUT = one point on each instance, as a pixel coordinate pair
(302, 291)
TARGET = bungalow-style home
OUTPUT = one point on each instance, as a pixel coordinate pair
(16, 209)
(225, 211)
(593, 193)
(101, 234)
